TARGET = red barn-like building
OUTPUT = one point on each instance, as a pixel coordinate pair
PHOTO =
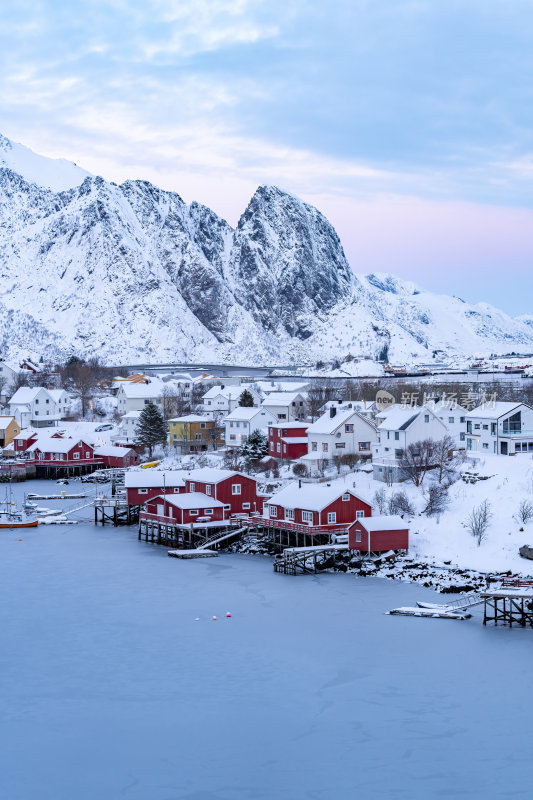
(287, 440)
(114, 456)
(185, 509)
(236, 491)
(143, 484)
(378, 534)
(54, 451)
(316, 506)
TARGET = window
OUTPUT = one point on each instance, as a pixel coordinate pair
(325, 447)
(348, 428)
(142, 491)
(358, 536)
(469, 427)
(396, 435)
(426, 417)
(307, 516)
(47, 400)
(345, 497)
(279, 447)
(461, 419)
(192, 487)
(227, 507)
(477, 426)
(36, 401)
(364, 445)
(202, 424)
(289, 513)
(451, 420)
(485, 427)
(271, 445)
(232, 437)
(461, 436)
(273, 511)
(469, 444)
(36, 413)
(176, 490)
(314, 446)
(197, 435)
(245, 506)
(87, 454)
(359, 514)
(332, 517)
(208, 510)
(493, 429)
(76, 455)
(235, 488)
(208, 488)
(340, 445)
(193, 512)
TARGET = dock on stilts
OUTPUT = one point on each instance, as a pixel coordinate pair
(509, 604)
(306, 559)
(115, 511)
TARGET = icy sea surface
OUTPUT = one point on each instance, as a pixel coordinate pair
(115, 682)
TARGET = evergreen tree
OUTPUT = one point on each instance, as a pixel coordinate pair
(254, 447)
(246, 399)
(151, 428)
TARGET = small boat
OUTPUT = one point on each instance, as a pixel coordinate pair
(18, 523)
(432, 613)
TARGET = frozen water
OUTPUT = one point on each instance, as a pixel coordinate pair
(115, 682)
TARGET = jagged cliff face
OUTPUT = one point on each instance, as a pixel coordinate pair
(132, 272)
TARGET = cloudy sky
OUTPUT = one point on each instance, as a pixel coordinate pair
(407, 122)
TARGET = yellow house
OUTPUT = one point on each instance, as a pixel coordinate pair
(193, 433)
(9, 428)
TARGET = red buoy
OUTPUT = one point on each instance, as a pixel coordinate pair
(228, 614)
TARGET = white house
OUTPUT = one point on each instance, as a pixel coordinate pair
(223, 399)
(134, 396)
(339, 432)
(286, 405)
(244, 421)
(454, 417)
(401, 428)
(502, 428)
(126, 428)
(36, 407)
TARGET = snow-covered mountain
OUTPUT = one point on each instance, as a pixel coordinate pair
(133, 273)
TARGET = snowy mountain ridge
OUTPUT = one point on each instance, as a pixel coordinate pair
(132, 273)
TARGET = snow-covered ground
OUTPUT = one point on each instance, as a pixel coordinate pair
(116, 683)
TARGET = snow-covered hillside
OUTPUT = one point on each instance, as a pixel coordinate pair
(133, 273)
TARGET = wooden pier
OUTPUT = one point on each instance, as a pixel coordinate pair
(166, 531)
(114, 511)
(303, 560)
(510, 604)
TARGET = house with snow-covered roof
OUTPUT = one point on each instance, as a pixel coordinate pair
(222, 399)
(328, 506)
(185, 509)
(243, 421)
(286, 406)
(237, 491)
(9, 428)
(143, 484)
(287, 440)
(401, 428)
(35, 406)
(338, 433)
(502, 428)
(135, 396)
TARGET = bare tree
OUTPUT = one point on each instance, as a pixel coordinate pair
(197, 395)
(388, 475)
(351, 459)
(417, 459)
(525, 511)
(337, 461)
(318, 394)
(436, 500)
(380, 499)
(399, 504)
(444, 455)
(19, 380)
(479, 521)
(80, 378)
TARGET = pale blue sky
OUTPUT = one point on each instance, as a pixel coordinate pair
(408, 123)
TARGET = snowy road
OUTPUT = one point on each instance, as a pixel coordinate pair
(110, 687)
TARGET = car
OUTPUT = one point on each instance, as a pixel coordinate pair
(106, 427)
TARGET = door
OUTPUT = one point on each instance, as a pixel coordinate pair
(504, 448)
(161, 509)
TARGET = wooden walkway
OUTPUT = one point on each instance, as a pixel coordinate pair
(296, 560)
(510, 604)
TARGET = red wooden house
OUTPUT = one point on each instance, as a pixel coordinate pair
(114, 456)
(236, 491)
(287, 440)
(55, 451)
(316, 506)
(24, 439)
(378, 534)
(185, 509)
(143, 484)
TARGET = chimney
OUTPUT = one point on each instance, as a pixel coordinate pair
(332, 411)
(299, 484)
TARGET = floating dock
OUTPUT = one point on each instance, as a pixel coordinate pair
(193, 553)
(62, 496)
(431, 613)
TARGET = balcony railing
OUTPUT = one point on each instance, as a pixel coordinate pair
(298, 527)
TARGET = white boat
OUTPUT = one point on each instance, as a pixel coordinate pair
(431, 613)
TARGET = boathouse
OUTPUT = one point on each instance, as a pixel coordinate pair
(185, 509)
(378, 534)
(117, 457)
(238, 492)
(316, 506)
(143, 484)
